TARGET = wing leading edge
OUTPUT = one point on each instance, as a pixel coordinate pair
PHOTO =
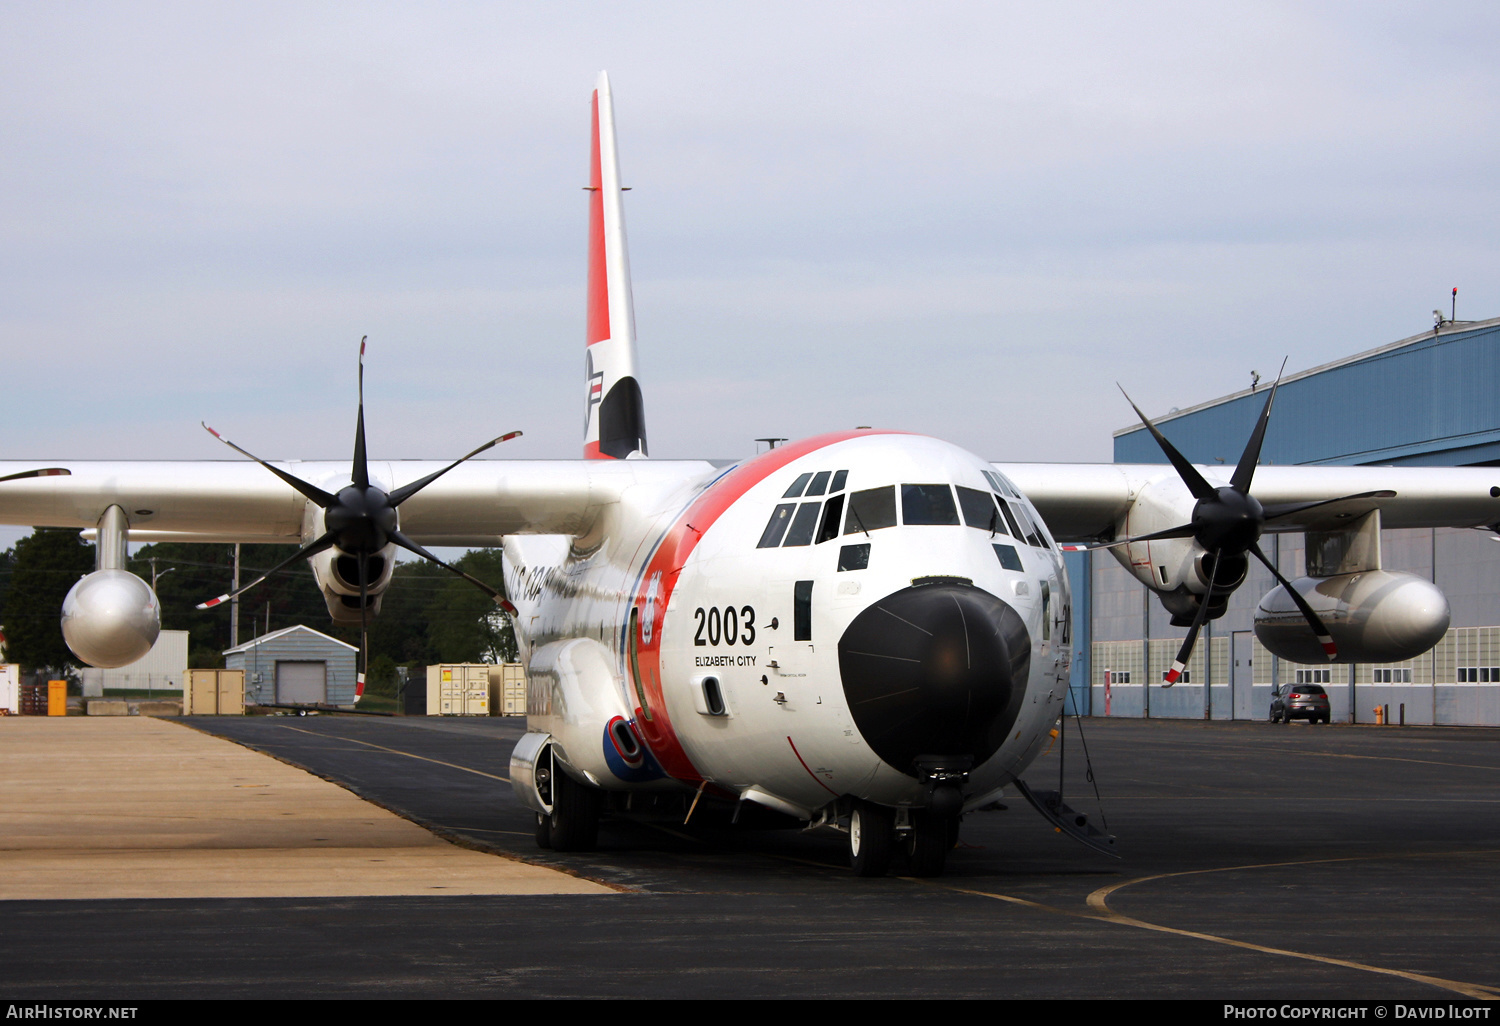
(1084, 502)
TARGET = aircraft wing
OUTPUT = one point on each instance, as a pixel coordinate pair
(1083, 502)
(480, 501)
(228, 501)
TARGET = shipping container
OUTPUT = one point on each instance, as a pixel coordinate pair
(214, 693)
(476, 689)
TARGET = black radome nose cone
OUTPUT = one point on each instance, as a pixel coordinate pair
(935, 670)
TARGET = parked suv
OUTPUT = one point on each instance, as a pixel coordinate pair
(1300, 702)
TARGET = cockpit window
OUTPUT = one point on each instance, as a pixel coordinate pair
(980, 510)
(781, 516)
(819, 483)
(1002, 484)
(1010, 518)
(801, 532)
(1032, 535)
(1009, 557)
(928, 504)
(870, 510)
(838, 481)
(797, 486)
(832, 511)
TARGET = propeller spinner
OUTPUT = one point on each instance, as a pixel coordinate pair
(361, 520)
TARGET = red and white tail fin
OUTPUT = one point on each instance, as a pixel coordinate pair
(615, 417)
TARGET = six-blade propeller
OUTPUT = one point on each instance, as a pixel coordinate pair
(361, 520)
(1227, 522)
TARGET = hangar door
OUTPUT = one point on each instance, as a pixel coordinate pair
(302, 683)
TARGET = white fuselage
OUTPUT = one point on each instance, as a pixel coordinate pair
(685, 579)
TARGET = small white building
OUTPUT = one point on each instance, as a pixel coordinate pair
(164, 668)
(296, 666)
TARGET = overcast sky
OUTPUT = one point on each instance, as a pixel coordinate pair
(967, 220)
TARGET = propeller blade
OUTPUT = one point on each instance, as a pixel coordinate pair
(313, 492)
(1324, 638)
(310, 549)
(1186, 651)
(1181, 531)
(361, 471)
(47, 472)
(405, 492)
(1244, 471)
(1286, 509)
(411, 546)
(1200, 488)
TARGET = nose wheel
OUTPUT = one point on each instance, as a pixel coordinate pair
(925, 839)
(872, 839)
(928, 842)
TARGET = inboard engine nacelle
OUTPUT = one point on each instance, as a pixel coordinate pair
(111, 618)
(1375, 616)
(337, 574)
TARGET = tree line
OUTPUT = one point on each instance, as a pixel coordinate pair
(427, 614)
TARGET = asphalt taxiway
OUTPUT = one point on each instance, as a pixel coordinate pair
(1259, 861)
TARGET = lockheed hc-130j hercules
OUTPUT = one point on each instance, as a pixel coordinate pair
(865, 630)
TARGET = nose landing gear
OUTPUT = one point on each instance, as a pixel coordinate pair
(872, 839)
(877, 833)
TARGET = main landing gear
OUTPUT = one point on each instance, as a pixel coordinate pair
(574, 822)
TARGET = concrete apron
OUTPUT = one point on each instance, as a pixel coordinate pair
(135, 807)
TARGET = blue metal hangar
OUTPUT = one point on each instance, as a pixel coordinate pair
(1429, 400)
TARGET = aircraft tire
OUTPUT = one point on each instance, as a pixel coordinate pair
(872, 839)
(575, 815)
(927, 845)
(543, 831)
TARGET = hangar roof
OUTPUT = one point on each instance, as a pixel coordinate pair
(1429, 400)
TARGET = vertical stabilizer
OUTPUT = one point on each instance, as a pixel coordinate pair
(615, 417)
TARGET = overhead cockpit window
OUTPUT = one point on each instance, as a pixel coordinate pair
(781, 516)
(838, 481)
(803, 524)
(797, 486)
(980, 510)
(1002, 484)
(870, 510)
(819, 483)
(928, 504)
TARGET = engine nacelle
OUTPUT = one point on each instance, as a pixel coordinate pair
(1377, 616)
(111, 618)
(1168, 564)
(338, 578)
